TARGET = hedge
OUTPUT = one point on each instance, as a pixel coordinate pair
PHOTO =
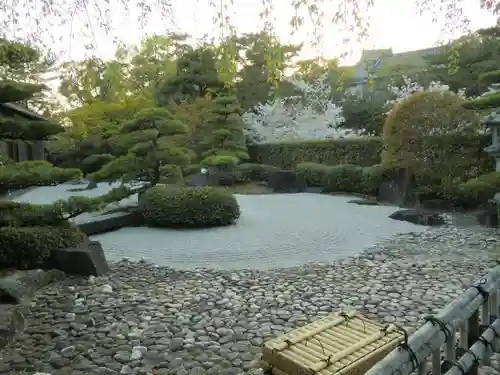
(178, 207)
(29, 247)
(468, 158)
(254, 172)
(287, 155)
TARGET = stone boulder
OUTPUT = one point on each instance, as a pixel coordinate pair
(110, 222)
(84, 260)
(286, 182)
(419, 217)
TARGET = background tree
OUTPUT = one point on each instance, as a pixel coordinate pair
(472, 56)
(253, 83)
(196, 76)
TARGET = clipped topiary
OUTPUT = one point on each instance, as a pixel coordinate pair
(170, 174)
(372, 177)
(179, 207)
(345, 178)
(255, 172)
(29, 247)
(34, 173)
(412, 127)
(93, 163)
(475, 191)
(312, 173)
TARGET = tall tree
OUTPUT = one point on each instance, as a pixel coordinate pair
(254, 84)
(472, 56)
(15, 59)
(196, 76)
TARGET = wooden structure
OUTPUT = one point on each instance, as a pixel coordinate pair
(19, 150)
(474, 314)
(338, 344)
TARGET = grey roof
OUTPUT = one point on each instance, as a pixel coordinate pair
(23, 111)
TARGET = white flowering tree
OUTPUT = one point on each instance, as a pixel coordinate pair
(310, 116)
(410, 87)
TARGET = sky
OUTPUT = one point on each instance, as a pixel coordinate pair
(394, 24)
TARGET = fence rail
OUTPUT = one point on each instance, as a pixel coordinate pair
(474, 315)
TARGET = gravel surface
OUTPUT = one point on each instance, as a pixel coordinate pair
(208, 321)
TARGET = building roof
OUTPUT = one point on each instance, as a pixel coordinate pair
(22, 111)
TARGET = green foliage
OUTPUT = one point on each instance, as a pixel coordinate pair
(93, 163)
(414, 127)
(254, 172)
(345, 178)
(226, 142)
(171, 174)
(17, 127)
(188, 207)
(196, 77)
(144, 144)
(365, 114)
(472, 56)
(34, 173)
(191, 169)
(29, 247)
(254, 84)
(475, 191)
(312, 173)
(372, 177)
(287, 155)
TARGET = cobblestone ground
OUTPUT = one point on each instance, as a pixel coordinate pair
(202, 322)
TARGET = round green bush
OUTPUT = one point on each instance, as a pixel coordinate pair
(345, 178)
(170, 174)
(312, 173)
(476, 191)
(175, 206)
(29, 247)
(414, 125)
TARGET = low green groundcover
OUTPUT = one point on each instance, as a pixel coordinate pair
(175, 206)
(29, 247)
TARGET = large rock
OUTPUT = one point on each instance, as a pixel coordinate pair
(286, 182)
(110, 222)
(84, 260)
(419, 217)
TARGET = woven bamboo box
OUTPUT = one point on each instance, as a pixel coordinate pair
(338, 344)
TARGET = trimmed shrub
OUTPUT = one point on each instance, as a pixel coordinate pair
(176, 206)
(287, 155)
(29, 247)
(93, 163)
(28, 215)
(312, 173)
(372, 177)
(421, 133)
(345, 178)
(476, 191)
(170, 174)
(254, 172)
(34, 173)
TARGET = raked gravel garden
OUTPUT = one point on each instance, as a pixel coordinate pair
(144, 319)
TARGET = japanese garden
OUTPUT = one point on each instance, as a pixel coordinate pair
(160, 217)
